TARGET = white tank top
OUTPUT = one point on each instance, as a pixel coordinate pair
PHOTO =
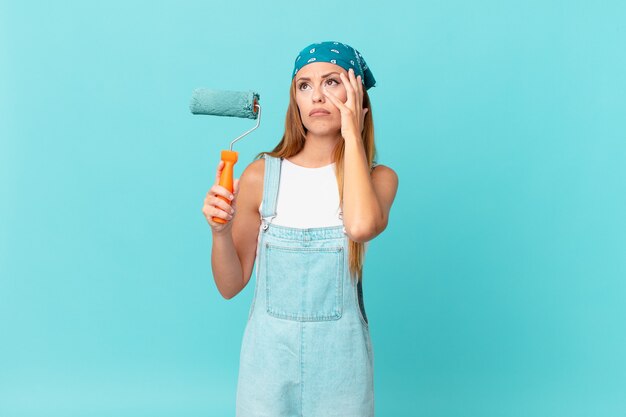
(307, 197)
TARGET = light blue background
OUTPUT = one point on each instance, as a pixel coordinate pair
(497, 290)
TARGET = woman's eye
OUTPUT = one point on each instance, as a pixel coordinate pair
(330, 81)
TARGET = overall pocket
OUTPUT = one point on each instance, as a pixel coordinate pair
(304, 284)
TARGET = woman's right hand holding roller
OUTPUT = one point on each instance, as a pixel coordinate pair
(214, 206)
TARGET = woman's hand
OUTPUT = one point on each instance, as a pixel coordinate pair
(352, 111)
(216, 207)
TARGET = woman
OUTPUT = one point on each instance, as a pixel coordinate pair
(302, 214)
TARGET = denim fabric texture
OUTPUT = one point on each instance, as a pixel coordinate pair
(306, 348)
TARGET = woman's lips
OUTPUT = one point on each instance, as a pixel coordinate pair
(319, 112)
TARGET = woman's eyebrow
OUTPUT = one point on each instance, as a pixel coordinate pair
(323, 76)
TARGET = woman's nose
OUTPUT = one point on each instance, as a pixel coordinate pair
(318, 95)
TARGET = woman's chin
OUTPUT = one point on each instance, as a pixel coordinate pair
(323, 130)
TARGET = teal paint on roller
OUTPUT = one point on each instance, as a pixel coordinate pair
(243, 104)
(224, 103)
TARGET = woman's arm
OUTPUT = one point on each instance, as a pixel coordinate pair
(234, 244)
(367, 198)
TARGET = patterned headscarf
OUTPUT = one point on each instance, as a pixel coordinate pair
(336, 53)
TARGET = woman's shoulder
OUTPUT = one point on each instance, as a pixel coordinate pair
(250, 187)
(385, 178)
(384, 172)
(254, 172)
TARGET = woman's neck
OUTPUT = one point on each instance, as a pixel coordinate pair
(317, 152)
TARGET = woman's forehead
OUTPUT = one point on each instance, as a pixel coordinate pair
(319, 69)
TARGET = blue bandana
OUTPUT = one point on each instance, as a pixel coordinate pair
(336, 53)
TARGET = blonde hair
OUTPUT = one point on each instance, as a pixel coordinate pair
(292, 143)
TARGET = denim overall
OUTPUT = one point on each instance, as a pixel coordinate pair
(306, 348)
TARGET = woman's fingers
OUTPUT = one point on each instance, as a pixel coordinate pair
(219, 202)
(235, 186)
(356, 85)
(218, 190)
(215, 207)
(353, 107)
(349, 89)
(356, 82)
(222, 205)
(215, 212)
(333, 98)
(220, 197)
(233, 203)
(218, 173)
(353, 80)
(214, 204)
(365, 110)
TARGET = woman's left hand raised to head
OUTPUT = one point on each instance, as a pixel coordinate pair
(352, 111)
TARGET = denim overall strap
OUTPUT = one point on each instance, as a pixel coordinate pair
(270, 189)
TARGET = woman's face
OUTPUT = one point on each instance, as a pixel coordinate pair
(319, 115)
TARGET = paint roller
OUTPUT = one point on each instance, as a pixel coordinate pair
(243, 104)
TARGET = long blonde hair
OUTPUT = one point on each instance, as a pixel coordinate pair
(292, 143)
